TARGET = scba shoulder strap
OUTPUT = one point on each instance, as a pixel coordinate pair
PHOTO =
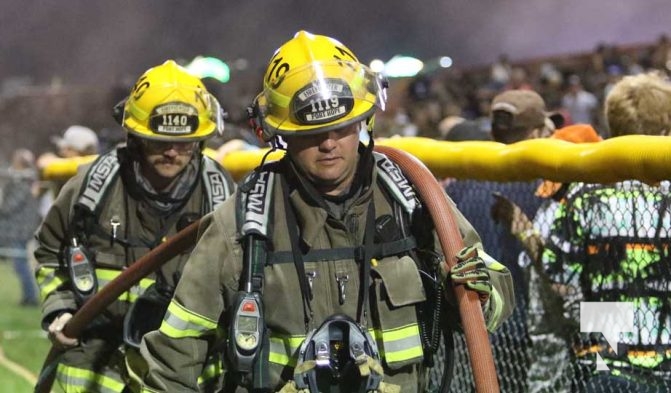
(254, 214)
(396, 183)
(105, 170)
(98, 181)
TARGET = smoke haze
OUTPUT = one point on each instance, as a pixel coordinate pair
(85, 41)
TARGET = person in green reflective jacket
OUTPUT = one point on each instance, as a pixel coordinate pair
(610, 243)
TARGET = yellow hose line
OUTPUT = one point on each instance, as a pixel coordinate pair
(642, 157)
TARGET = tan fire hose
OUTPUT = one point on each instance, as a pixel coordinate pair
(435, 199)
(147, 264)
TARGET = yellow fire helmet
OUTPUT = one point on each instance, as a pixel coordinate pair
(168, 103)
(314, 84)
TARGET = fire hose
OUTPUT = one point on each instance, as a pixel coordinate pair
(147, 264)
(473, 322)
(434, 197)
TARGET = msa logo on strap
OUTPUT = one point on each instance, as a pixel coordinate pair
(256, 204)
(217, 188)
(215, 184)
(397, 183)
(104, 171)
(100, 176)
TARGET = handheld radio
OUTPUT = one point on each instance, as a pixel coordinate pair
(80, 269)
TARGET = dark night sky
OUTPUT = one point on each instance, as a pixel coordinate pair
(88, 41)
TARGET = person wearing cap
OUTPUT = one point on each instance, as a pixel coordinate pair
(516, 115)
(610, 243)
(519, 115)
(550, 354)
(77, 141)
(117, 209)
(309, 272)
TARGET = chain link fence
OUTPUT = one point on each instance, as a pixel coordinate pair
(599, 243)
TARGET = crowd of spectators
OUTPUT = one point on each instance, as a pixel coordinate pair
(574, 85)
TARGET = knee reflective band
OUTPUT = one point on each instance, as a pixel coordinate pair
(339, 351)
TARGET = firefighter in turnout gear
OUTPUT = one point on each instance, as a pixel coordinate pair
(117, 209)
(312, 278)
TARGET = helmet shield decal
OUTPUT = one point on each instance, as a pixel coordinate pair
(322, 101)
(170, 104)
(174, 118)
(321, 95)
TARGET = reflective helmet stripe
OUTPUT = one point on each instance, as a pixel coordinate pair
(180, 322)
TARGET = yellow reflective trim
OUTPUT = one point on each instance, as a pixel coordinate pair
(189, 316)
(409, 334)
(286, 357)
(173, 332)
(390, 338)
(146, 283)
(399, 356)
(281, 359)
(180, 322)
(82, 380)
(105, 276)
(278, 99)
(399, 333)
(48, 280)
(213, 369)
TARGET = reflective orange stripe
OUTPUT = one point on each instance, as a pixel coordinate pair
(648, 354)
(629, 246)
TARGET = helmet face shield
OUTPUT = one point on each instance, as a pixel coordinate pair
(321, 96)
(169, 104)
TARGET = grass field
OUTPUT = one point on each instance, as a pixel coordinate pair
(23, 345)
